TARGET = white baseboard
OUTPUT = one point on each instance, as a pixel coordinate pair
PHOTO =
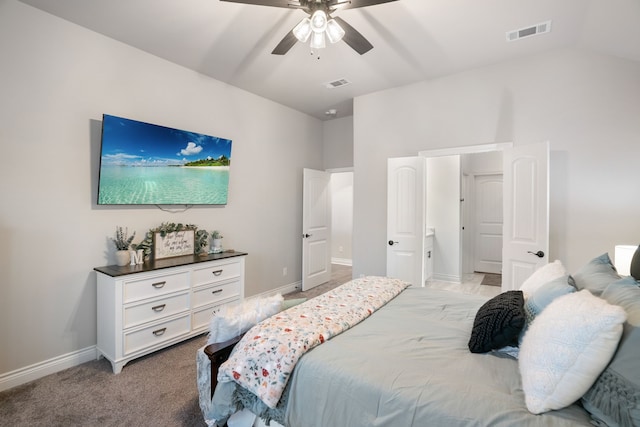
(47, 367)
(286, 289)
(342, 261)
(446, 278)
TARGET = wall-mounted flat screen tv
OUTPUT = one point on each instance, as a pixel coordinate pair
(147, 164)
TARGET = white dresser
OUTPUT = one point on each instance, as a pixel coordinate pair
(147, 307)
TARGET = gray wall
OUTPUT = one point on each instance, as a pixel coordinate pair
(338, 143)
(56, 81)
(587, 105)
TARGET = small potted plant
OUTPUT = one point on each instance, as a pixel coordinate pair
(217, 241)
(122, 242)
(202, 242)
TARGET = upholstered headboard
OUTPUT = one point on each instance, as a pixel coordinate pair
(635, 264)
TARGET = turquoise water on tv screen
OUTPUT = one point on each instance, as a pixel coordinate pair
(163, 185)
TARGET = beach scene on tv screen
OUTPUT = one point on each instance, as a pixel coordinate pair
(143, 163)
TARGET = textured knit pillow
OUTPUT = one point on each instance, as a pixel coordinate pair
(566, 348)
(498, 322)
(615, 396)
(543, 275)
(596, 275)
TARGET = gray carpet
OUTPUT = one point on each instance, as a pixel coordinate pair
(339, 274)
(492, 279)
(156, 390)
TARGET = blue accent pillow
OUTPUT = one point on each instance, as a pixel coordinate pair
(546, 293)
(542, 297)
(596, 275)
(615, 396)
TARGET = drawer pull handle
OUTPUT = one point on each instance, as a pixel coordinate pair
(158, 285)
(159, 332)
(159, 307)
(217, 291)
(217, 272)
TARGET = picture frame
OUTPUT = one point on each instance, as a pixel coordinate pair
(174, 244)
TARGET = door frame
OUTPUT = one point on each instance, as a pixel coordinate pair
(466, 149)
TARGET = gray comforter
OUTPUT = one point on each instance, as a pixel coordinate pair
(409, 365)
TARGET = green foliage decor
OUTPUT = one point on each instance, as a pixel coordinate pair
(122, 240)
(165, 228)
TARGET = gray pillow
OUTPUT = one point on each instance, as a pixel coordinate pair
(596, 275)
(615, 396)
(635, 264)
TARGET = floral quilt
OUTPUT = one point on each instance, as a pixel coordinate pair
(263, 360)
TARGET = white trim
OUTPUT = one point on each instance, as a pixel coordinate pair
(286, 289)
(339, 170)
(484, 148)
(342, 261)
(47, 367)
(438, 277)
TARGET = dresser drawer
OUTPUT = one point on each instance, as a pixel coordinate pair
(202, 317)
(139, 313)
(150, 287)
(216, 273)
(156, 334)
(211, 294)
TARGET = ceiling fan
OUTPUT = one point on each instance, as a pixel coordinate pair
(320, 23)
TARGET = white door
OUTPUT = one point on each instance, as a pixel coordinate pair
(405, 219)
(526, 212)
(488, 223)
(316, 229)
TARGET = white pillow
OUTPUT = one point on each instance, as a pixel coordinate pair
(236, 319)
(541, 276)
(565, 349)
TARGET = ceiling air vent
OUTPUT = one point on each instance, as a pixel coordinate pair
(534, 30)
(337, 83)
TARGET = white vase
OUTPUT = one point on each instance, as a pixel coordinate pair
(122, 258)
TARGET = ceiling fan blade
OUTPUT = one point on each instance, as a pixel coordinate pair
(353, 38)
(285, 44)
(272, 3)
(345, 4)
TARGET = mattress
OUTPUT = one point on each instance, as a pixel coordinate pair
(409, 365)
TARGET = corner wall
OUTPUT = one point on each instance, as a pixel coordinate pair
(586, 104)
(56, 81)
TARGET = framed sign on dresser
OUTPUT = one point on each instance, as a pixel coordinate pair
(146, 307)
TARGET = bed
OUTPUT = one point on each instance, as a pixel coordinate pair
(410, 363)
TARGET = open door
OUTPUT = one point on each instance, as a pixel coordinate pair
(405, 219)
(526, 212)
(316, 229)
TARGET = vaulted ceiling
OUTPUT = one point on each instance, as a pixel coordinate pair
(413, 40)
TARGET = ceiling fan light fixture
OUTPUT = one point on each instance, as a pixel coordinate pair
(302, 31)
(317, 41)
(335, 33)
(319, 21)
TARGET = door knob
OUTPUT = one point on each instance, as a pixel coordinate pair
(306, 235)
(539, 254)
(391, 242)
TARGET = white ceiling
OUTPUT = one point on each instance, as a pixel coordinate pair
(413, 40)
